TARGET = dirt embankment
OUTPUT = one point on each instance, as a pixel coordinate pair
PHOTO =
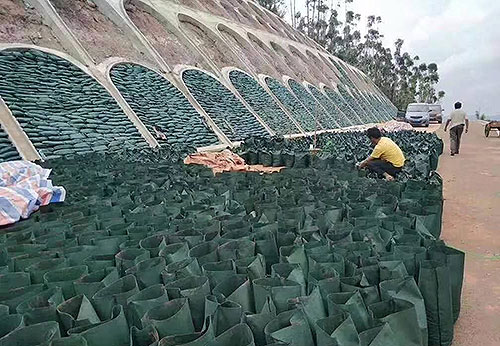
(97, 33)
(20, 23)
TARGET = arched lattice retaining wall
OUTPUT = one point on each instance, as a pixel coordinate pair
(162, 107)
(314, 107)
(292, 104)
(262, 103)
(341, 119)
(230, 115)
(61, 108)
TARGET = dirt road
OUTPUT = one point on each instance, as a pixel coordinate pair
(471, 222)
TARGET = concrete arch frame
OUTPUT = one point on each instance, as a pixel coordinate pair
(321, 90)
(16, 133)
(212, 35)
(169, 78)
(62, 31)
(242, 38)
(179, 71)
(170, 21)
(335, 89)
(284, 81)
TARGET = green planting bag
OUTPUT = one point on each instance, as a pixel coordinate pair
(265, 244)
(239, 335)
(360, 283)
(12, 298)
(116, 293)
(295, 254)
(9, 281)
(381, 335)
(278, 290)
(454, 260)
(195, 339)
(290, 271)
(258, 322)
(185, 268)
(128, 258)
(290, 327)
(74, 340)
(312, 306)
(99, 262)
(108, 244)
(195, 288)
(76, 312)
(336, 330)
(148, 272)
(401, 317)
(144, 337)
(353, 304)
(236, 249)
(41, 307)
(226, 315)
(143, 301)
(237, 289)
(10, 323)
(77, 254)
(154, 244)
(64, 278)
(216, 272)
(113, 331)
(205, 252)
(36, 334)
(175, 252)
(38, 270)
(170, 318)
(253, 267)
(406, 289)
(435, 286)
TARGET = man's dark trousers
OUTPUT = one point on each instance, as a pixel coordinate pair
(380, 167)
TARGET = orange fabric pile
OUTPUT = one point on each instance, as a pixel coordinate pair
(227, 161)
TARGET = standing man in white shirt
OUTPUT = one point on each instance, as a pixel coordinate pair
(457, 121)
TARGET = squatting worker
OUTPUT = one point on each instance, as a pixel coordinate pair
(457, 121)
(387, 159)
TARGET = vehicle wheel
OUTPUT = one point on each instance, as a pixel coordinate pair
(487, 130)
(440, 121)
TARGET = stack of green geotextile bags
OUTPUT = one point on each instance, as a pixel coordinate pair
(225, 109)
(8, 151)
(161, 106)
(262, 103)
(62, 109)
(299, 113)
(331, 107)
(422, 150)
(148, 251)
(317, 111)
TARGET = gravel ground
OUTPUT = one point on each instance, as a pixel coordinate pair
(471, 223)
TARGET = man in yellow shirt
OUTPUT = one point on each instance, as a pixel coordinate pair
(387, 159)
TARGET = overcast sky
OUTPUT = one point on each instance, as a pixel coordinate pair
(461, 36)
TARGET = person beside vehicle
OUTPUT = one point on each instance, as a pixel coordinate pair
(387, 159)
(457, 121)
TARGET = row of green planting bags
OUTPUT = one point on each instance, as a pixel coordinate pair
(148, 251)
(422, 150)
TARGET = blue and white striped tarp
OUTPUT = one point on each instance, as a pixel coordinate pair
(24, 187)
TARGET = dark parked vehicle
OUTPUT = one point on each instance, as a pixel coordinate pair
(436, 113)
